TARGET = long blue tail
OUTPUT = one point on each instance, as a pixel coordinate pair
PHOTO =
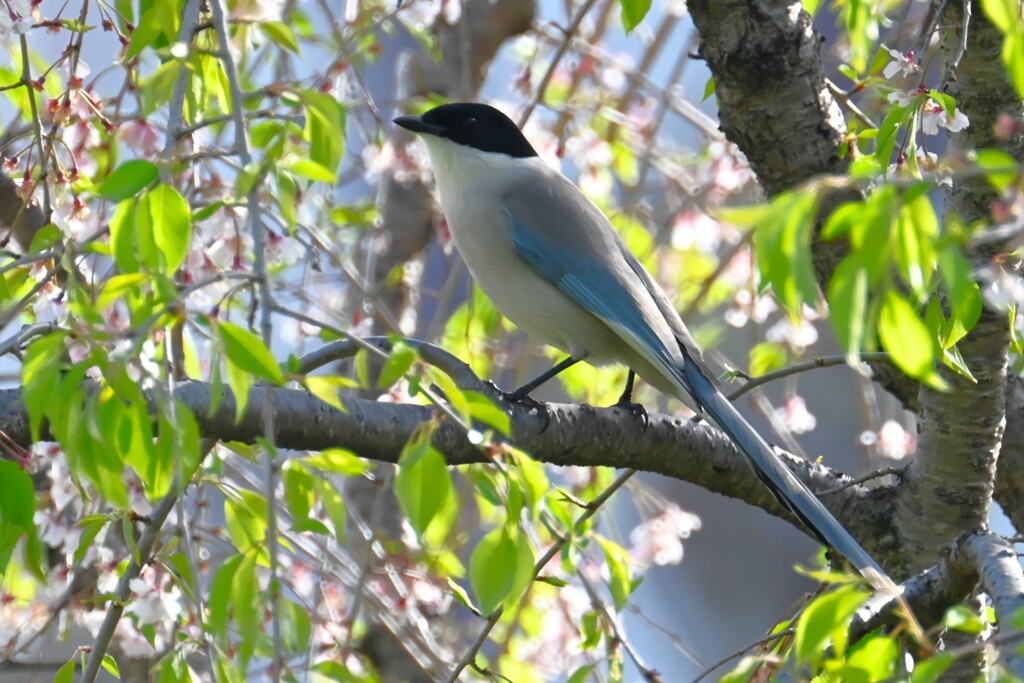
(791, 493)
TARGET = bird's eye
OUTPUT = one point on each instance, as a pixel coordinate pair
(471, 121)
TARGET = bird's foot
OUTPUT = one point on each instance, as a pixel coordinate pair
(524, 399)
(626, 403)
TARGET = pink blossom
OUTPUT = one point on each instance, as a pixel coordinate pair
(140, 136)
(660, 540)
(795, 416)
(798, 336)
(892, 441)
(694, 229)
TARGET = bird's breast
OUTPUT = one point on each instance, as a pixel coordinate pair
(483, 237)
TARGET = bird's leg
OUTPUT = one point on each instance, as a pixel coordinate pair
(626, 400)
(522, 393)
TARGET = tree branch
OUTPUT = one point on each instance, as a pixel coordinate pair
(572, 435)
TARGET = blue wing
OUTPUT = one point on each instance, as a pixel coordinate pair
(604, 283)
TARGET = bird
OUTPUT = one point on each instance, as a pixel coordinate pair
(551, 261)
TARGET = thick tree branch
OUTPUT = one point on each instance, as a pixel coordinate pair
(976, 557)
(575, 435)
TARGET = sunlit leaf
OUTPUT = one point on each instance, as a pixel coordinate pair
(423, 481)
(128, 179)
(247, 351)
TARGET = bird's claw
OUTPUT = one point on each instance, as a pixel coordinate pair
(530, 404)
(635, 409)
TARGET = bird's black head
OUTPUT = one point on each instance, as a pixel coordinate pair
(474, 125)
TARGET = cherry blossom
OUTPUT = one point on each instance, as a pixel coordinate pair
(799, 336)
(795, 415)
(892, 441)
(902, 63)
(934, 117)
(660, 540)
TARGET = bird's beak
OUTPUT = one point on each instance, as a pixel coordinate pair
(417, 125)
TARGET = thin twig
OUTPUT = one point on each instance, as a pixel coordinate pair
(896, 471)
(763, 641)
(140, 558)
(15, 341)
(816, 362)
(647, 673)
(26, 78)
(555, 548)
(560, 51)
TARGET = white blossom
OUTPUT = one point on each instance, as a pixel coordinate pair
(660, 540)
(934, 117)
(902, 62)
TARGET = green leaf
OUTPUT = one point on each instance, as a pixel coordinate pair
(483, 409)
(916, 227)
(460, 594)
(744, 670)
(709, 89)
(326, 389)
(619, 576)
(1013, 59)
(220, 592)
(423, 482)
(931, 669)
(334, 505)
(848, 301)
(873, 659)
(398, 363)
(296, 627)
(826, 618)
(17, 506)
(766, 357)
(581, 675)
(500, 568)
(45, 237)
(240, 382)
(280, 33)
(157, 26)
(40, 378)
(1002, 167)
(128, 179)
(783, 243)
(453, 394)
(307, 168)
(298, 493)
(66, 673)
(907, 340)
(325, 129)
(111, 666)
(248, 352)
(959, 618)
(91, 526)
(122, 236)
(1004, 14)
(245, 515)
(171, 223)
(337, 460)
(245, 603)
(633, 12)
